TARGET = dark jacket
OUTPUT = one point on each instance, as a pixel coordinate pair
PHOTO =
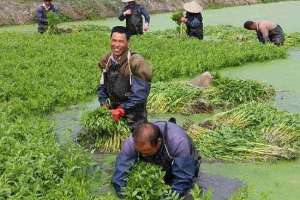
(41, 15)
(177, 157)
(134, 22)
(194, 25)
(125, 83)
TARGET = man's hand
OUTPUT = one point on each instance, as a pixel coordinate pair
(117, 113)
(146, 27)
(183, 20)
(127, 12)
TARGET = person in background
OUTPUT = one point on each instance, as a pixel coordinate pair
(133, 13)
(125, 81)
(165, 144)
(267, 31)
(41, 14)
(193, 19)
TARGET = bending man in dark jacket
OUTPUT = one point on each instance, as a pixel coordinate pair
(267, 31)
(133, 13)
(125, 81)
(41, 14)
(164, 144)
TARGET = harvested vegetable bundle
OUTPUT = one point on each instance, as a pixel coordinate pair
(146, 181)
(101, 132)
(172, 97)
(252, 131)
(179, 97)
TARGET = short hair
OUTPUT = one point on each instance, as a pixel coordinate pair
(121, 29)
(155, 133)
(247, 24)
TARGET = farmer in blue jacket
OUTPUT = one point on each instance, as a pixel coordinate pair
(41, 14)
(125, 80)
(164, 144)
(193, 20)
(133, 13)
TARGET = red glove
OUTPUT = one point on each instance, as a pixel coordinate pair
(117, 113)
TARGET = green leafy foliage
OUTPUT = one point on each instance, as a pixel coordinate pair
(34, 166)
(53, 21)
(179, 97)
(40, 73)
(172, 57)
(252, 131)
(145, 182)
(102, 132)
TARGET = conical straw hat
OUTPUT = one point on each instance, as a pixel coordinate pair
(126, 1)
(192, 7)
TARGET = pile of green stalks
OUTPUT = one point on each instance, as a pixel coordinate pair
(252, 131)
(101, 132)
(224, 93)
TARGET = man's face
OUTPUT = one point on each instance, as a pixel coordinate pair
(47, 3)
(145, 148)
(118, 44)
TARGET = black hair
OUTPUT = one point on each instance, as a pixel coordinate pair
(248, 24)
(121, 29)
(155, 133)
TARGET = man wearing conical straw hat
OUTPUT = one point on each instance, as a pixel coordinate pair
(133, 13)
(193, 19)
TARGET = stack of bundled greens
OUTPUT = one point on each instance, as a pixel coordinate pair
(176, 17)
(53, 21)
(172, 97)
(252, 131)
(146, 181)
(179, 97)
(101, 132)
(232, 92)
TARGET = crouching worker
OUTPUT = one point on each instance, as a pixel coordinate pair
(125, 81)
(41, 14)
(267, 31)
(193, 20)
(164, 144)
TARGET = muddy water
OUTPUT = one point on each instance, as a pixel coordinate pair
(283, 74)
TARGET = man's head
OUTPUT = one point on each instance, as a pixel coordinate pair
(250, 25)
(119, 40)
(47, 2)
(147, 139)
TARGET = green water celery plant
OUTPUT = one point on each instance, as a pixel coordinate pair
(145, 182)
(101, 132)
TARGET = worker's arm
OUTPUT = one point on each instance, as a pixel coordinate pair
(121, 15)
(184, 167)
(101, 90)
(265, 33)
(140, 82)
(40, 15)
(146, 14)
(124, 162)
